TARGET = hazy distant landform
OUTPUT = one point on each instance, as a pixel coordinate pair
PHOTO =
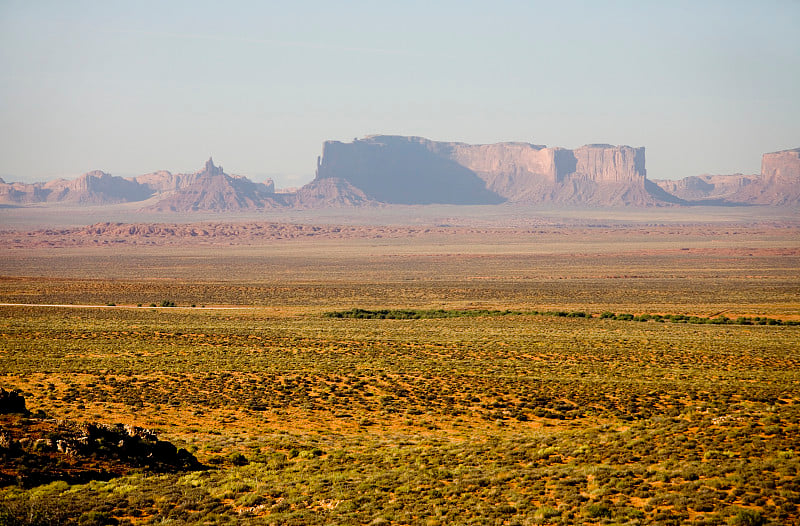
(416, 171)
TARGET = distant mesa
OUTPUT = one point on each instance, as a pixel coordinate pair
(388, 169)
(414, 170)
(92, 188)
(778, 184)
(719, 189)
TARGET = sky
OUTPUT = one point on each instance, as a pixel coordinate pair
(134, 87)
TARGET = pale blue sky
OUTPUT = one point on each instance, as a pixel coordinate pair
(132, 87)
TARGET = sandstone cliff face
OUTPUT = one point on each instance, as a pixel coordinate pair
(414, 170)
(779, 183)
(781, 167)
(604, 163)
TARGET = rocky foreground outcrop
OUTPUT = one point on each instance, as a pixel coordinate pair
(12, 402)
(414, 170)
(36, 449)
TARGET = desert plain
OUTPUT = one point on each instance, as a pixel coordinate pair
(537, 369)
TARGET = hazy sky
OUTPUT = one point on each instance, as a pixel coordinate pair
(130, 87)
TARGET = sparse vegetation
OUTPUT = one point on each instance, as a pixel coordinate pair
(412, 314)
(542, 399)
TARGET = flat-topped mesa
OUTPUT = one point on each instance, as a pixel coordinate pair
(415, 170)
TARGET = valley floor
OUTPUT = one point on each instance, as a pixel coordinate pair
(521, 418)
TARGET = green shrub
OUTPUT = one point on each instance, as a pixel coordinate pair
(747, 517)
(598, 510)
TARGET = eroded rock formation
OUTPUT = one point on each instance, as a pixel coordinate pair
(211, 189)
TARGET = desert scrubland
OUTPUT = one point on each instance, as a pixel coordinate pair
(530, 398)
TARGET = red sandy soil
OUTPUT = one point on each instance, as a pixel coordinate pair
(258, 233)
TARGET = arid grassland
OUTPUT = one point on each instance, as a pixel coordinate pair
(303, 418)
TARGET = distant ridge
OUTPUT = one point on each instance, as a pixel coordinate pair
(209, 189)
(92, 188)
(386, 169)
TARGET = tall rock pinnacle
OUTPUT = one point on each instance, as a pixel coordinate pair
(211, 169)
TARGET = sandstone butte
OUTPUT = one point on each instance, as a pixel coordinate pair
(414, 170)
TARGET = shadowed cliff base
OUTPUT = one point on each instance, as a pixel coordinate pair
(397, 170)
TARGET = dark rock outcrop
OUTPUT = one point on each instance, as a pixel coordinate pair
(35, 449)
(12, 402)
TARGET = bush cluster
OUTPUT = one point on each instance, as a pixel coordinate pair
(416, 314)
